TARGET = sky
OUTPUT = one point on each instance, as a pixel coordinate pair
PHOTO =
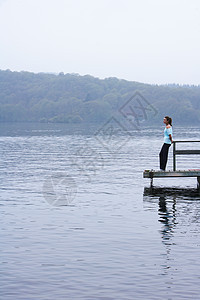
(149, 41)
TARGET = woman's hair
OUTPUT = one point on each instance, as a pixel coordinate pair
(169, 120)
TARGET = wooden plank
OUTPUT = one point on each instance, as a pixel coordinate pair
(186, 152)
(180, 173)
(186, 141)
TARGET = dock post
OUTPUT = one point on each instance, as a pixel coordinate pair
(174, 156)
(198, 183)
(151, 178)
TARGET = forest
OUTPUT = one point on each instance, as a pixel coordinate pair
(71, 98)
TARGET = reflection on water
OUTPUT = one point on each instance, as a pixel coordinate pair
(178, 213)
(167, 218)
(176, 192)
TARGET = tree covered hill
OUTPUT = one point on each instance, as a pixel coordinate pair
(71, 98)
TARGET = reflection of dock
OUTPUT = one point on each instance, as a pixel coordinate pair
(180, 173)
(171, 192)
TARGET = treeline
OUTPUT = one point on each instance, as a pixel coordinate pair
(71, 98)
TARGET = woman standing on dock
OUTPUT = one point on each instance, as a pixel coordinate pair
(167, 142)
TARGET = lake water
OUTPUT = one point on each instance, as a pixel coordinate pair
(78, 220)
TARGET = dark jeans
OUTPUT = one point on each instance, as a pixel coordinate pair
(164, 155)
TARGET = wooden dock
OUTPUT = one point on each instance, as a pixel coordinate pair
(180, 173)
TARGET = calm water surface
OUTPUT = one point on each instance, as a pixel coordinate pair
(78, 221)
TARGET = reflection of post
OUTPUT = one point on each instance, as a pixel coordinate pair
(168, 220)
(166, 217)
(174, 210)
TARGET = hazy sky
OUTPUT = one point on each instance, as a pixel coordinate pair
(151, 41)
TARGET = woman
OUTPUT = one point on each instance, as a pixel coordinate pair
(167, 143)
